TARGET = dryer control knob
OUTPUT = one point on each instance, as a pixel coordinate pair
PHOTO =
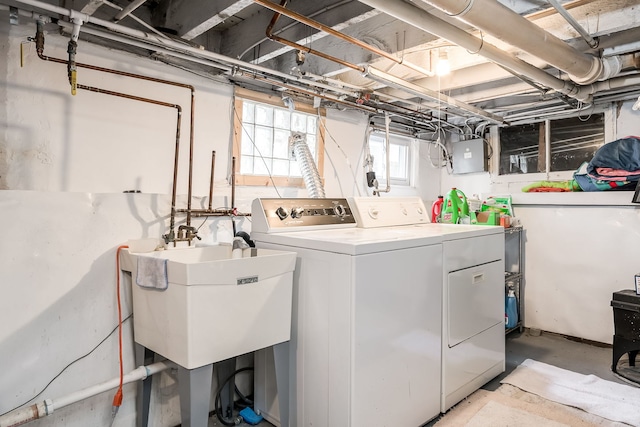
(297, 212)
(339, 210)
(374, 212)
(282, 213)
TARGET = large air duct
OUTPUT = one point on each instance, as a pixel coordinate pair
(426, 22)
(501, 22)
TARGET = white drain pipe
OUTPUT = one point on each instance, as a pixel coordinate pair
(426, 22)
(46, 407)
(501, 22)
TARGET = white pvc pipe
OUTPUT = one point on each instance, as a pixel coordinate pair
(501, 22)
(42, 409)
(425, 21)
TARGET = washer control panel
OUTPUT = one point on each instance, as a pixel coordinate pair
(269, 215)
(389, 211)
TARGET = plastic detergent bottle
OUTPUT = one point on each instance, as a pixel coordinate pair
(455, 207)
(436, 209)
(511, 309)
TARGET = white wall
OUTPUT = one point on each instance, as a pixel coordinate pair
(579, 247)
(64, 164)
(65, 161)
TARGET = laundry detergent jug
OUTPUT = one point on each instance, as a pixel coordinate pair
(455, 207)
(436, 209)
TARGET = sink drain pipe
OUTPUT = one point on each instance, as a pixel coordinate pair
(46, 407)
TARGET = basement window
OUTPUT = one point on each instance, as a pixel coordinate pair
(400, 158)
(569, 142)
(262, 127)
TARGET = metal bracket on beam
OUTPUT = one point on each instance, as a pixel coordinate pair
(14, 18)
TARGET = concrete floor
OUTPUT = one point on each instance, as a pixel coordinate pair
(566, 353)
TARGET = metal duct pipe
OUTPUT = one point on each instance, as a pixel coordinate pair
(282, 10)
(128, 10)
(310, 175)
(425, 21)
(593, 43)
(506, 25)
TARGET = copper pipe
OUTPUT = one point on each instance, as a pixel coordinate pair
(175, 169)
(282, 10)
(40, 51)
(279, 39)
(213, 165)
(310, 93)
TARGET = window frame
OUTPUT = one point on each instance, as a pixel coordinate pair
(241, 94)
(494, 137)
(411, 142)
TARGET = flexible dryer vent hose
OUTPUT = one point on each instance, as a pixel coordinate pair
(310, 174)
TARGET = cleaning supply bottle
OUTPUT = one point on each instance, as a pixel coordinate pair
(455, 207)
(436, 209)
(511, 309)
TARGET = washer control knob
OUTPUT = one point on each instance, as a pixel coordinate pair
(374, 212)
(405, 212)
(339, 210)
(282, 213)
(420, 211)
(297, 212)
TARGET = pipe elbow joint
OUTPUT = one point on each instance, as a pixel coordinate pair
(602, 69)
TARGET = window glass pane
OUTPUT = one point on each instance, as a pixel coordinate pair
(294, 169)
(299, 122)
(281, 144)
(312, 124)
(246, 165)
(519, 149)
(281, 167)
(282, 119)
(398, 161)
(248, 110)
(311, 143)
(264, 141)
(264, 115)
(261, 166)
(246, 144)
(575, 140)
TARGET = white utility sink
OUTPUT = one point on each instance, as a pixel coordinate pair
(214, 307)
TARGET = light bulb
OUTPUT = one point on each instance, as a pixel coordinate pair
(442, 66)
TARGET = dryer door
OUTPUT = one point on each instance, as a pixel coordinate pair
(476, 300)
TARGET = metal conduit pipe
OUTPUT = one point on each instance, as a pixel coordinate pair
(146, 40)
(425, 21)
(40, 53)
(503, 23)
(593, 43)
(46, 407)
(281, 10)
(367, 71)
(128, 10)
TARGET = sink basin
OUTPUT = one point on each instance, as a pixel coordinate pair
(214, 307)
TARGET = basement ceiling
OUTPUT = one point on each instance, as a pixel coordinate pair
(348, 53)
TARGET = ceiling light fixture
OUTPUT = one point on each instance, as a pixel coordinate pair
(442, 66)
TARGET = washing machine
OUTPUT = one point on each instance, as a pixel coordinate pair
(473, 343)
(365, 346)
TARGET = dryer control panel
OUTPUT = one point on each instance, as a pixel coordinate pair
(389, 211)
(273, 215)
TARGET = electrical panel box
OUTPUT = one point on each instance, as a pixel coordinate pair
(470, 156)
